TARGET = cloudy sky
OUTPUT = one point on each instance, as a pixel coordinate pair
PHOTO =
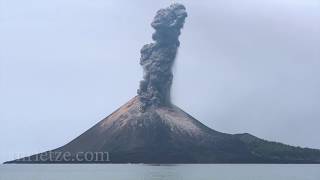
(243, 66)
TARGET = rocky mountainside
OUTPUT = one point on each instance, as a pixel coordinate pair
(150, 129)
(169, 135)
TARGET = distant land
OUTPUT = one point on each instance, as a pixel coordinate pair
(150, 129)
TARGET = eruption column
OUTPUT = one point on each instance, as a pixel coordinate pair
(157, 58)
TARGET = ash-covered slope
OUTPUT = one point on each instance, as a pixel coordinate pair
(150, 129)
(168, 135)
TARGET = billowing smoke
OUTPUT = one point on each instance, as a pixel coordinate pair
(157, 58)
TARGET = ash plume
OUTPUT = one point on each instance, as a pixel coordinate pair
(157, 58)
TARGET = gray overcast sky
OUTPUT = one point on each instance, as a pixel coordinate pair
(243, 66)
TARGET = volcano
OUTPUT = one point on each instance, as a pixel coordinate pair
(151, 129)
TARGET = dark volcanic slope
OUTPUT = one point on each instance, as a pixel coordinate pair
(169, 135)
(149, 129)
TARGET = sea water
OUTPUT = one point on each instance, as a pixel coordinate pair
(160, 172)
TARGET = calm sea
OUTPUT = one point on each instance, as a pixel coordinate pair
(160, 172)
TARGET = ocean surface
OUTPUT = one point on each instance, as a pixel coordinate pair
(160, 172)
